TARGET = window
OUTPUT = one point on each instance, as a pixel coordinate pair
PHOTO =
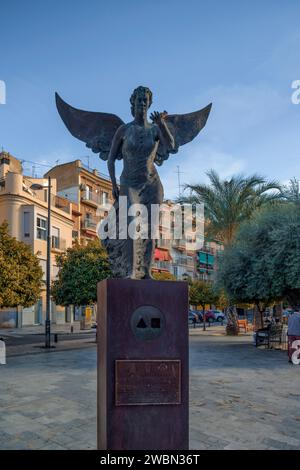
(88, 192)
(26, 224)
(104, 197)
(41, 226)
(55, 237)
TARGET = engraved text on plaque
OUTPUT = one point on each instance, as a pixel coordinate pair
(148, 382)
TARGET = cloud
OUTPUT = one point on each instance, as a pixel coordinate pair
(193, 165)
(252, 129)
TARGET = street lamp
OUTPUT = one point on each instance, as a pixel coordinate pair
(36, 187)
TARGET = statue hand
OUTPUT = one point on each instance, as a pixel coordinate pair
(157, 117)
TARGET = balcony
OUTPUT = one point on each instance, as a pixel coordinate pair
(205, 267)
(179, 244)
(162, 265)
(207, 249)
(184, 261)
(91, 198)
(89, 224)
(95, 200)
(163, 243)
(61, 203)
(57, 202)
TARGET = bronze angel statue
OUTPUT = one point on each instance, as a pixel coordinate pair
(141, 144)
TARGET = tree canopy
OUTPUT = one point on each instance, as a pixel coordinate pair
(80, 269)
(228, 203)
(202, 293)
(20, 272)
(163, 276)
(263, 264)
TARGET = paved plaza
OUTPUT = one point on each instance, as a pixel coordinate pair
(240, 397)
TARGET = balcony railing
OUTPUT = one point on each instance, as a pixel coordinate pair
(61, 203)
(56, 201)
(94, 198)
(182, 261)
(162, 264)
(89, 224)
(89, 196)
(207, 249)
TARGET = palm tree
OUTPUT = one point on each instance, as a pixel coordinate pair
(227, 203)
(291, 192)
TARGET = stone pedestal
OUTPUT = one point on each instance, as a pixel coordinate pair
(142, 365)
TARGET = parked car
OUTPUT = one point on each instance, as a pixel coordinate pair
(214, 315)
(193, 317)
(200, 315)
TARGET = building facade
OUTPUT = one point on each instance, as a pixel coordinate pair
(207, 260)
(79, 195)
(25, 210)
(173, 255)
(86, 188)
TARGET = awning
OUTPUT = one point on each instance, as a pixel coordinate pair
(162, 254)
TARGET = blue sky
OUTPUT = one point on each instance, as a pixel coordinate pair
(242, 56)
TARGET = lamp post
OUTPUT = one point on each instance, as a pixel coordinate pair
(48, 268)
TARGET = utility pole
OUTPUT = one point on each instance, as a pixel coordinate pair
(48, 277)
(36, 187)
(179, 182)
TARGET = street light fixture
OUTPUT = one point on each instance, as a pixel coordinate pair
(37, 187)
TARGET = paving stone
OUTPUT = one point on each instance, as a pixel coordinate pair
(240, 398)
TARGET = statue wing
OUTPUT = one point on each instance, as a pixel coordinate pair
(184, 128)
(95, 129)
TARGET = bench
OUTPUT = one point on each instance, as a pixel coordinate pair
(272, 334)
(243, 324)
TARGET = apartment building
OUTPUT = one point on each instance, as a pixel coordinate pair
(173, 254)
(207, 259)
(25, 210)
(88, 189)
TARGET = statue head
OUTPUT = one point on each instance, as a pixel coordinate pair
(140, 100)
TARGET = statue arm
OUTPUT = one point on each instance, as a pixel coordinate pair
(164, 134)
(113, 155)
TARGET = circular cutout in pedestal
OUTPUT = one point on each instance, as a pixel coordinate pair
(147, 322)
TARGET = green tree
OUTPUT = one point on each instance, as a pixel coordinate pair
(263, 265)
(163, 276)
(228, 203)
(80, 269)
(20, 272)
(202, 293)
